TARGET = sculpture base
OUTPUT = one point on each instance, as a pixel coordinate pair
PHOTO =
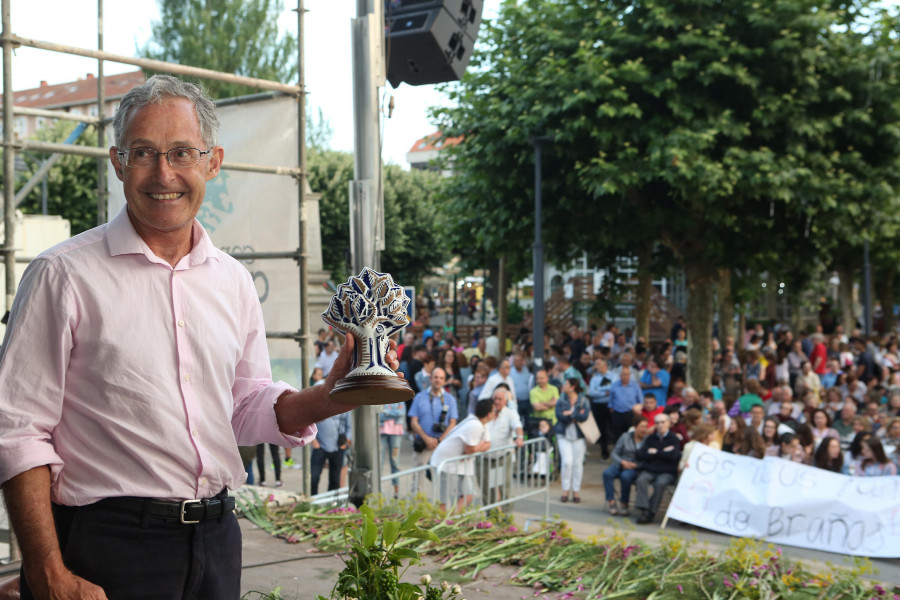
(372, 390)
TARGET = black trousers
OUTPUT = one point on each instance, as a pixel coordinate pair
(621, 422)
(601, 415)
(261, 462)
(317, 462)
(148, 558)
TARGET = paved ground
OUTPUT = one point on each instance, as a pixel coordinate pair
(303, 573)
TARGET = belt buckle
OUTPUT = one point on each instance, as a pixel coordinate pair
(184, 504)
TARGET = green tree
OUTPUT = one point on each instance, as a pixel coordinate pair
(414, 234)
(709, 127)
(232, 36)
(71, 183)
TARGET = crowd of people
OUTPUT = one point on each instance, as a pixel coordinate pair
(826, 401)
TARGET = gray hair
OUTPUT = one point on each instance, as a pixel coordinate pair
(157, 90)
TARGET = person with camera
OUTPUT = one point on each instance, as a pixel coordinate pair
(432, 415)
(333, 439)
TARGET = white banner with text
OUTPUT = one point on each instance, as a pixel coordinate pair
(789, 503)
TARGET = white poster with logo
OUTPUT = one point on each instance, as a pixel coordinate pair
(789, 503)
(254, 212)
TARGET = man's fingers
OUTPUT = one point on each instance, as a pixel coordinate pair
(342, 363)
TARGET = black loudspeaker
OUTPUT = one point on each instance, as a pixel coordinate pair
(430, 41)
(466, 12)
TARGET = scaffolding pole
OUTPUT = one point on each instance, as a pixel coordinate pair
(159, 65)
(93, 152)
(9, 188)
(101, 128)
(302, 248)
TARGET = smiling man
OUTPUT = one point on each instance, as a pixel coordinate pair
(134, 364)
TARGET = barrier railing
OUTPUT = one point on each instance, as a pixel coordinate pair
(496, 478)
(493, 479)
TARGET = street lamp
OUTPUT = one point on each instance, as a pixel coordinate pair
(538, 254)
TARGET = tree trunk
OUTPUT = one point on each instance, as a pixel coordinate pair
(845, 296)
(643, 294)
(501, 304)
(701, 286)
(796, 314)
(726, 306)
(884, 291)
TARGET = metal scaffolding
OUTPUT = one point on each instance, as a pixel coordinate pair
(11, 146)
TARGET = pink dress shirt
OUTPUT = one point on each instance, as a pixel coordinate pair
(129, 377)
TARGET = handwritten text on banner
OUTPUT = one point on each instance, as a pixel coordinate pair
(789, 503)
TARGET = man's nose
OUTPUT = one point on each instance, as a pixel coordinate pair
(162, 170)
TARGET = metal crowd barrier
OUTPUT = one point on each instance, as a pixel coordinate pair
(496, 478)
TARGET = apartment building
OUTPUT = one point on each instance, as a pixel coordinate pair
(78, 97)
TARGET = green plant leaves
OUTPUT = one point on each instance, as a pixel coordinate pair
(390, 532)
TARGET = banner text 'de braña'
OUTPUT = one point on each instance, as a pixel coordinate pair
(786, 502)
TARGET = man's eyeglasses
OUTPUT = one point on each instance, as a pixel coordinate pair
(658, 421)
(179, 158)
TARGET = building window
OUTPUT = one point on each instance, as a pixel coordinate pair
(92, 110)
(20, 127)
(41, 121)
(556, 283)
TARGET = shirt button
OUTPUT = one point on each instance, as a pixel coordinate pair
(187, 377)
(193, 433)
(203, 481)
(181, 323)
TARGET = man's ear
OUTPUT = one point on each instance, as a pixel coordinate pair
(216, 158)
(117, 163)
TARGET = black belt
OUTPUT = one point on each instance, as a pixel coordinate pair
(184, 511)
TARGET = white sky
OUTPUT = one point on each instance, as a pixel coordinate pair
(127, 25)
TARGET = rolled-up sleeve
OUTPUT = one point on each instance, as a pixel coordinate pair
(33, 362)
(255, 395)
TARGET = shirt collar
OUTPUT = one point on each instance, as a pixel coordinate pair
(123, 239)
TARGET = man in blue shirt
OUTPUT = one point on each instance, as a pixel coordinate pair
(521, 377)
(432, 415)
(655, 381)
(624, 395)
(333, 438)
(598, 391)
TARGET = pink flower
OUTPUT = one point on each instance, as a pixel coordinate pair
(680, 589)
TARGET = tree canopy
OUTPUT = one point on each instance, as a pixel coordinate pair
(71, 183)
(414, 234)
(734, 133)
(233, 36)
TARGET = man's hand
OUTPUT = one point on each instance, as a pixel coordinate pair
(430, 442)
(28, 503)
(66, 586)
(628, 465)
(9, 589)
(297, 410)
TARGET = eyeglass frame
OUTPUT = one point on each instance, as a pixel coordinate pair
(123, 154)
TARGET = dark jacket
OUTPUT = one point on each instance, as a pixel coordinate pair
(665, 458)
